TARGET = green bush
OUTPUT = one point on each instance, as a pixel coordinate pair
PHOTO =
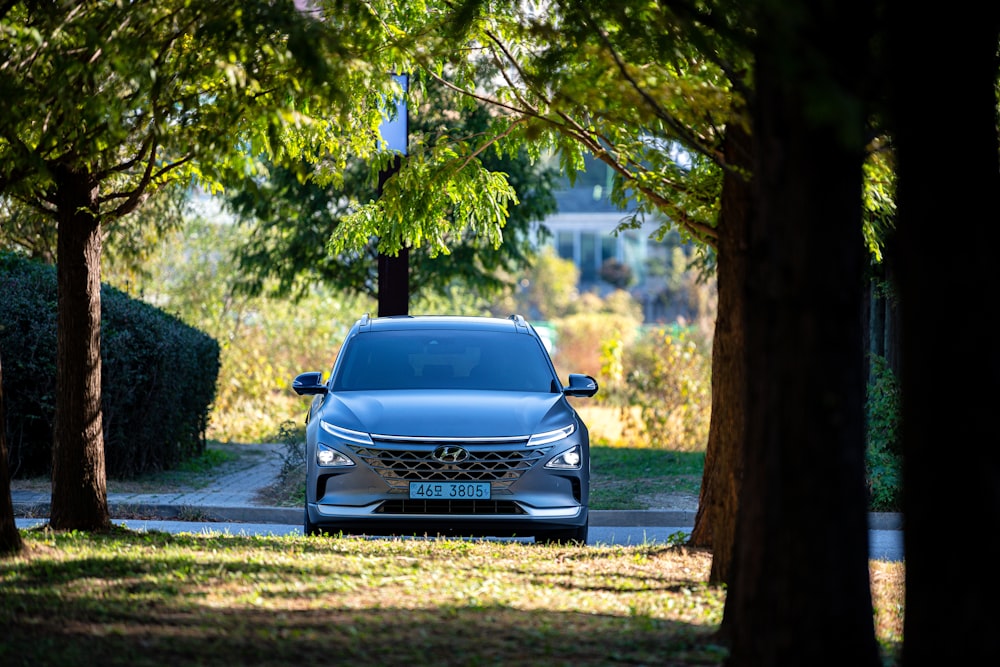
(158, 376)
(668, 376)
(883, 456)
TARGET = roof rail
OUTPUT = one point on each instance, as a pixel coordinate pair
(518, 320)
(365, 319)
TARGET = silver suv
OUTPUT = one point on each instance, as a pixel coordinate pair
(446, 425)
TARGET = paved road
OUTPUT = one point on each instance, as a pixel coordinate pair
(883, 544)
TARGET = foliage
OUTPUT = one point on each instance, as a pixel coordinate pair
(158, 380)
(546, 290)
(128, 241)
(264, 342)
(636, 85)
(883, 454)
(668, 376)
(879, 198)
(580, 338)
(174, 92)
(290, 221)
(28, 349)
(617, 274)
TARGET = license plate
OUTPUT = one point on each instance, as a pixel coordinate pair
(450, 490)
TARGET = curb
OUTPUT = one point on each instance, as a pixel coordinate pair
(293, 515)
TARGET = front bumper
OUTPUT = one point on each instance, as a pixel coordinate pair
(368, 521)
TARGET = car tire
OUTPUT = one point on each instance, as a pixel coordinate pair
(577, 535)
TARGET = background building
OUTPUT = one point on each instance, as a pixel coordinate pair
(584, 230)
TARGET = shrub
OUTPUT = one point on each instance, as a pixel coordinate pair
(883, 459)
(158, 376)
(669, 378)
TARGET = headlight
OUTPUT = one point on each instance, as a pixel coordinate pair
(568, 460)
(345, 433)
(328, 457)
(551, 436)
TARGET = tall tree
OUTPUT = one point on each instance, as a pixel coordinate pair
(10, 538)
(108, 102)
(663, 94)
(659, 93)
(945, 287)
(140, 96)
(801, 565)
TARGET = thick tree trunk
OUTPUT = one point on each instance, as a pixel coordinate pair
(79, 485)
(10, 538)
(799, 591)
(948, 222)
(715, 522)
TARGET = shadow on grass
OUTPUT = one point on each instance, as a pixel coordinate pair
(157, 599)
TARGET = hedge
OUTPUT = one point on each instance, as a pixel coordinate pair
(158, 376)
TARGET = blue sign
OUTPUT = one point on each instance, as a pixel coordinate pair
(395, 129)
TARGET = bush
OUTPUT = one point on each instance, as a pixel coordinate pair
(883, 459)
(669, 378)
(158, 376)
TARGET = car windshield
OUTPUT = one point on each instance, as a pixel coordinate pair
(444, 359)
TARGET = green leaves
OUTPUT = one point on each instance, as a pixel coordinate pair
(146, 93)
(432, 201)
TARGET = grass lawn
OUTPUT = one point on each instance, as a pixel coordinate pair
(144, 599)
(141, 599)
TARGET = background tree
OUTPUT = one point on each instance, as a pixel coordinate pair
(126, 242)
(291, 220)
(107, 103)
(120, 86)
(659, 94)
(663, 94)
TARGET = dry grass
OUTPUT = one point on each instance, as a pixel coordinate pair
(888, 584)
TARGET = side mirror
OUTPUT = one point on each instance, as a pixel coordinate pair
(309, 383)
(581, 385)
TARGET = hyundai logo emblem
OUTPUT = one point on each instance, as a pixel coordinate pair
(450, 454)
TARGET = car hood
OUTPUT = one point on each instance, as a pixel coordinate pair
(448, 413)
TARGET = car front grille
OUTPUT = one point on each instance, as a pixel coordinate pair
(498, 461)
(405, 506)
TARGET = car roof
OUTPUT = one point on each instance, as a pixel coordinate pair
(513, 324)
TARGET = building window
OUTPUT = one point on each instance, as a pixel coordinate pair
(609, 248)
(589, 261)
(565, 246)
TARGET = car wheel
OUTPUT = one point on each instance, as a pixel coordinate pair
(578, 535)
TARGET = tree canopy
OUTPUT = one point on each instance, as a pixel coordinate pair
(107, 103)
(290, 220)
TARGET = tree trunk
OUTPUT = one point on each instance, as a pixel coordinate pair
(799, 591)
(10, 538)
(715, 522)
(947, 222)
(393, 270)
(79, 485)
